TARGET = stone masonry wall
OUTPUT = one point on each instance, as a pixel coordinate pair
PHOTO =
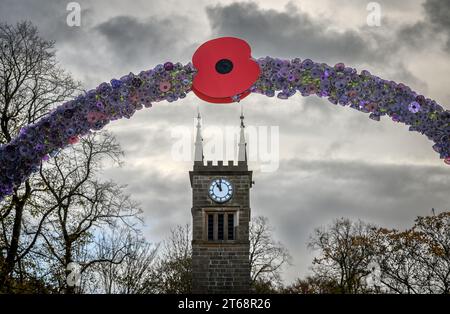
(221, 266)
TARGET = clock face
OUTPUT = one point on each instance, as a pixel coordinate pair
(220, 190)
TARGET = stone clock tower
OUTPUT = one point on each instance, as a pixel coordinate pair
(220, 221)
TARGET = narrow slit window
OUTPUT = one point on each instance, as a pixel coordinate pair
(210, 227)
(220, 226)
(230, 227)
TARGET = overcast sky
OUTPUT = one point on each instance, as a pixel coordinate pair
(334, 161)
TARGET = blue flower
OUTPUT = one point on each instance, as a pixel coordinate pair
(316, 72)
(340, 84)
(414, 107)
(307, 64)
(116, 83)
(282, 95)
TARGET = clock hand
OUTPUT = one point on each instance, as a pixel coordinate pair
(219, 185)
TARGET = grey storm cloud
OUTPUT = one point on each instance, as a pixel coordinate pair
(438, 13)
(333, 188)
(108, 43)
(292, 33)
(164, 198)
(154, 38)
(414, 35)
(434, 25)
(288, 33)
(303, 193)
(49, 16)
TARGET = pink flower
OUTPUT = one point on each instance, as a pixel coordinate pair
(164, 86)
(73, 140)
(134, 97)
(92, 117)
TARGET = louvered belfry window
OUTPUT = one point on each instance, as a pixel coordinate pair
(220, 226)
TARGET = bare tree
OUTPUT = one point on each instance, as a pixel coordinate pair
(31, 82)
(132, 275)
(173, 272)
(267, 256)
(173, 269)
(345, 253)
(79, 205)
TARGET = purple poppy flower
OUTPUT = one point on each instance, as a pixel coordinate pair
(316, 72)
(374, 117)
(303, 89)
(343, 100)
(414, 107)
(116, 83)
(325, 85)
(324, 93)
(339, 66)
(39, 147)
(10, 152)
(103, 89)
(340, 84)
(159, 68)
(283, 73)
(70, 132)
(168, 66)
(24, 150)
(277, 63)
(262, 62)
(333, 100)
(136, 82)
(307, 64)
(269, 93)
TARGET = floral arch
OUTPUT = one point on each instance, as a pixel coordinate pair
(222, 71)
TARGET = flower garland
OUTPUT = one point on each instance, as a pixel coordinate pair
(91, 111)
(364, 92)
(121, 98)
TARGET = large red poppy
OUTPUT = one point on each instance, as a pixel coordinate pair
(225, 68)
